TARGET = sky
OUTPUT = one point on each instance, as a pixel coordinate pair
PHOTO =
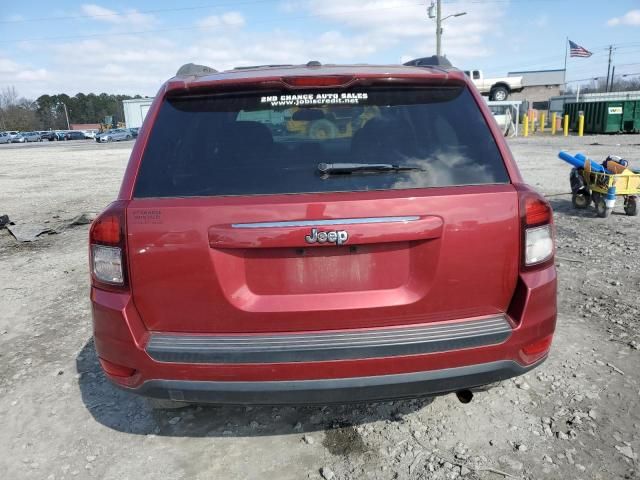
(132, 47)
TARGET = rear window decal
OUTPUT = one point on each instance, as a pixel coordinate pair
(325, 98)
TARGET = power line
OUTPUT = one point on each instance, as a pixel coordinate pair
(137, 12)
(191, 27)
(602, 77)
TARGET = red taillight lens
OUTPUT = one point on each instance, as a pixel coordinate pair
(319, 81)
(106, 229)
(536, 211)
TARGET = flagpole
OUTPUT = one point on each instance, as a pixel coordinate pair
(566, 51)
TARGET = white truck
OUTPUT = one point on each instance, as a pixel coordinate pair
(498, 89)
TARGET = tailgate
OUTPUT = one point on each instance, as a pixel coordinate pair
(199, 266)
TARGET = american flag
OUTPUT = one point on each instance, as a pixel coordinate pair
(576, 50)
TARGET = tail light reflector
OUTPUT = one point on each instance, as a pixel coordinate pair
(538, 347)
(114, 369)
(535, 350)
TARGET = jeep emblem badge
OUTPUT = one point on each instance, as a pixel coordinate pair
(334, 236)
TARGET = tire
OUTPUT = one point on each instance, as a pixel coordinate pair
(499, 94)
(109, 139)
(601, 207)
(323, 128)
(162, 404)
(576, 180)
(631, 206)
(581, 200)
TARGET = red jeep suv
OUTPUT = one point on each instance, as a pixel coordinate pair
(320, 233)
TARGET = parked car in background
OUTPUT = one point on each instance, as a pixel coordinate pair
(61, 134)
(48, 135)
(13, 133)
(498, 89)
(74, 135)
(245, 262)
(91, 133)
(134, 132)
(114, 135)
(5, 137)
(26, 137)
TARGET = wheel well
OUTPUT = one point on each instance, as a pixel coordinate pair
(504, 85)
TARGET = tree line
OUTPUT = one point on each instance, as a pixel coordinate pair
(599, 85)
(48, 111)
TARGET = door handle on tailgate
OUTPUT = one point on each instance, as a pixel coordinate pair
(312, 233)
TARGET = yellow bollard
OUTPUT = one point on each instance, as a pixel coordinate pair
(554, 118)
(580, 125)
(565, 126)
(525, 129)
(542, 119)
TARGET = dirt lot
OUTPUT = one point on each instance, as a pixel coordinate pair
(577, 416)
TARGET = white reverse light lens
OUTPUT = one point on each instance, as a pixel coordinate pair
(107, 264)
(539, 244)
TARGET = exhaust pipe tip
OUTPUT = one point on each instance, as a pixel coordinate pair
(465, 396)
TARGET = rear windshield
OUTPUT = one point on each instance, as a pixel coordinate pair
(273, 143)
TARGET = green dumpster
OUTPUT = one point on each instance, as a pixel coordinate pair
(606, 116)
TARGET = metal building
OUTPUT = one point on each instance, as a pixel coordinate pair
(539, 85)
(135, 110)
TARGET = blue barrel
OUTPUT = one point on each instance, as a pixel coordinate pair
(579, 161)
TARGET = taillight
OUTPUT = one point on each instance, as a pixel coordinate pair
(537, 229)
(107, 252)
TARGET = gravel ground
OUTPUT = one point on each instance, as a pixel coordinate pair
(574, 417)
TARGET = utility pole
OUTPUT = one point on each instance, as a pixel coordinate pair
(439, 20)
(66, 114)
(439, 27)
(613, 74)
(606, 89)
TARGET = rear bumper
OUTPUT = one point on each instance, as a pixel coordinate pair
(329, 345)
(336, 390)
(220, 372)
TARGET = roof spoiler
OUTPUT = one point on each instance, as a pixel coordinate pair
(432, 61)
(191, 69)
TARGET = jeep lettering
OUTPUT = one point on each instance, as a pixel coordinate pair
(335, 236)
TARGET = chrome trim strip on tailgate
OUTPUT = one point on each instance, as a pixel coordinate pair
(337, 221)
(314, 347)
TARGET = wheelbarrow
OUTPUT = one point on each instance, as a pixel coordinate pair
(602, 187)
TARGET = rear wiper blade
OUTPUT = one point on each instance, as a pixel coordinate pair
(346, 168)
